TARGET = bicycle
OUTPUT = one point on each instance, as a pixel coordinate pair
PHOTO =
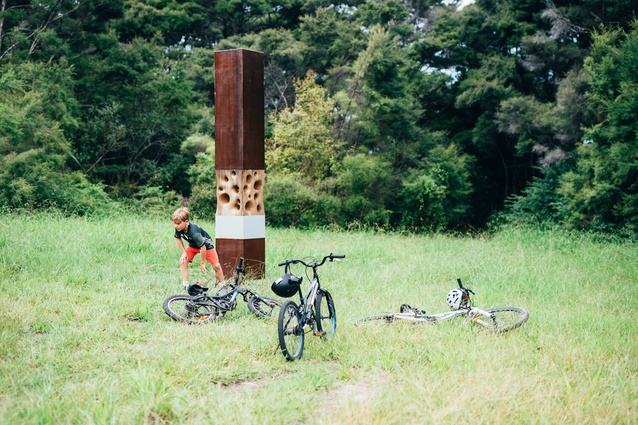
(316, 310)
(497, 319)
(199, 307)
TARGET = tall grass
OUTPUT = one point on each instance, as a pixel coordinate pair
(83, 338)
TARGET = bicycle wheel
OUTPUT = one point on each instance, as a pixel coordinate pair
(262, 306)
(291, 335)
(325, 314)
(182, 308)
(506, 319)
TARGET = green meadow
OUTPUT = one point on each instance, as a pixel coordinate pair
(84, 339)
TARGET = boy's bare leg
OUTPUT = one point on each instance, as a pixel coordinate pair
(183, 269)
(219, 272)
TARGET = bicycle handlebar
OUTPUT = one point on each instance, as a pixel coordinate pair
(240, 265)
(330, 257)
(239, 271)
(464, 288)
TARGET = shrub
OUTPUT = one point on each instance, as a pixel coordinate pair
(437, 195)
(292, 202)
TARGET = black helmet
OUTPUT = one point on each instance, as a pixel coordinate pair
(195, 289)
(287, 285)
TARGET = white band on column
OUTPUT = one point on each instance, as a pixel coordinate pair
(240, 226)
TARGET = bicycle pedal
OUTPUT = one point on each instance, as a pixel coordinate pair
(322, 333)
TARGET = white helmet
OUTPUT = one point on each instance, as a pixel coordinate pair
(455, 299)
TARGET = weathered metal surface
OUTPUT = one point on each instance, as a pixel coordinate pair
(252, 250)
(239, 110)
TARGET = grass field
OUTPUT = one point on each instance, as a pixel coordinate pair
(84, 339)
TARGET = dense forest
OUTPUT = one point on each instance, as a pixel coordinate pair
(419, 115)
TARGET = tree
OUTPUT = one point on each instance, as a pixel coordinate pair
(437, 195)
(603, 188)
(49, 30)
(365, 187)
(302, 141)
(33, 150)
(331, 41)
(376, 110)
(139, 114)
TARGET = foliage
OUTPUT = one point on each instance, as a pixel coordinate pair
(511, 84)
(33, 149)
(328, 42)
(379, 112)
(292, 201)
(602, 191)
(301, 141)
(366, 187)
(538, 203)
(201, 175)
(119, 138)
(439, 197)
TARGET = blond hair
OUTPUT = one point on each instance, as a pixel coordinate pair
(181, 214)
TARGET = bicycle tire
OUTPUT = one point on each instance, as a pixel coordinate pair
(291, 334)
(325, 315)
(181, 308)
(262, 306)
(507, 318)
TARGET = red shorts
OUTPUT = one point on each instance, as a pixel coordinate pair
(211, 254)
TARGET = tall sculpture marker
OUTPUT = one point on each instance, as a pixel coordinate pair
(240, 220)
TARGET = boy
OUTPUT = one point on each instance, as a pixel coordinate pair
(199, 242)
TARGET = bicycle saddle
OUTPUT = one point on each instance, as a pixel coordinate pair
(406, 308)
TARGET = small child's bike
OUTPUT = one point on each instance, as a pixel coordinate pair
(497, 319)
(316, 311)
(199, 307)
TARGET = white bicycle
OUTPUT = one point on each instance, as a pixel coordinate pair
(496, 319)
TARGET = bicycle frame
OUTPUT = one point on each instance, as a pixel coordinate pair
(228, 301)
(473, 314)
(309, 301)
(306, 304)
(224, 302)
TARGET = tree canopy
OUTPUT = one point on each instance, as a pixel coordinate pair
(413, 114)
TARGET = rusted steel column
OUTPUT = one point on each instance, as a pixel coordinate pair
(240, 221)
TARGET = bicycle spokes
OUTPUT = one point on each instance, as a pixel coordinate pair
(290, 329)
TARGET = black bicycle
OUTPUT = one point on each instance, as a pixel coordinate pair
(316, 310)
(199, 307)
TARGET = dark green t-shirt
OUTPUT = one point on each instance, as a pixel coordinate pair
(195, 236)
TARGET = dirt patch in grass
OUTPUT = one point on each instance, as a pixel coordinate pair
(252, 384)
(363, 391)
